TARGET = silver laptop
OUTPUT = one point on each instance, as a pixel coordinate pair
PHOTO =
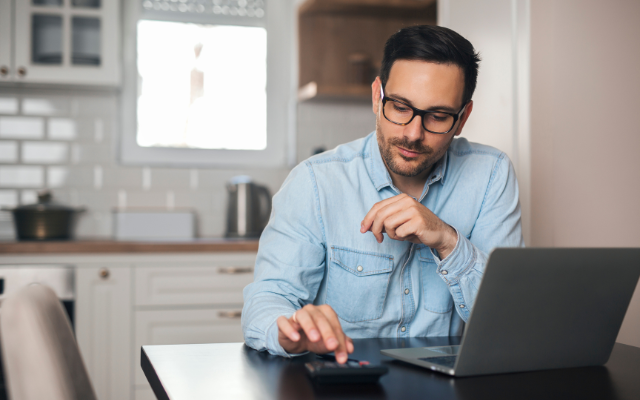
(539, 309)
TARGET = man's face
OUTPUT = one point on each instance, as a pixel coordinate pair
(410, 150)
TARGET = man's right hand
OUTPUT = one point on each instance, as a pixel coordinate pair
(315, 329)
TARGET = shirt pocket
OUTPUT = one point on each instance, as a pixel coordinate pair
(435, 292)
(357, 283)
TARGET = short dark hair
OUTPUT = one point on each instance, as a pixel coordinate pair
(435, 44)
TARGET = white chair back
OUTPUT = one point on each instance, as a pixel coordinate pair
(40, 354)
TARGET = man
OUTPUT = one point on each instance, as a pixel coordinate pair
(387, 236)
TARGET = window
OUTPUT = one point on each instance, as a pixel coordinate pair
(209, 83)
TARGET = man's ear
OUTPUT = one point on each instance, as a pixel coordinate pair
(375, 94)
(465, 116)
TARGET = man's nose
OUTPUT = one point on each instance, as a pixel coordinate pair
(413, 131)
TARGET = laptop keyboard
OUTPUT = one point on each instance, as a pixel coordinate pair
(446, 361)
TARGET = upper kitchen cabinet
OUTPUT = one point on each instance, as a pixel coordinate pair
(341, 43)
(61, 42)
(5, 38)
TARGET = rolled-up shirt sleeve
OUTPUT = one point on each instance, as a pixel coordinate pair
(498, 225)
(290, 263)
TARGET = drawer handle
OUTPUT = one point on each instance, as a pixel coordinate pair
(235, 270)
(104, 273)
(230, 314)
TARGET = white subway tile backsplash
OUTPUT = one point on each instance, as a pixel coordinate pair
(57, 177)
(97, 177)
(62, 129)
(201, 201)
(8, 152)
(45, 152)
(122, 199)
(94, 224)
(170, 178)
(45, 106)
(21, 127)
(146, 178)
(8, 105)
(80, 177)
(123, 177)
(8, 198)
(91, 154)
(193, 179)
(99, 106)
(98, 130)
(171, 200)
(28, 196)
(146, 199)
(22, 176)
(75, 153)
(7, 231)
(97, 200)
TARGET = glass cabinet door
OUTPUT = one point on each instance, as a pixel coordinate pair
(46, 39)
(68, 41)
(85, 41)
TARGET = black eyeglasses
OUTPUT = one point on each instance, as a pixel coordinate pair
(400, 113)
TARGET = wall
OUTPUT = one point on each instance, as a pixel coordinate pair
(66, 140)
(584, 129)
(328, 124)
(499, 31)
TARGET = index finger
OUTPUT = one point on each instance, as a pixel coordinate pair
(371, 215)
(342, 350)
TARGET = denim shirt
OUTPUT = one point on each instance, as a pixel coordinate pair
(312, 251)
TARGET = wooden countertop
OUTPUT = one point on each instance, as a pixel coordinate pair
(111, 246)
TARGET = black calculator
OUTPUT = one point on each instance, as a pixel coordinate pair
(349, 372)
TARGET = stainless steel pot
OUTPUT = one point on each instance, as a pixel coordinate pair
(248, 209)
(45, 220)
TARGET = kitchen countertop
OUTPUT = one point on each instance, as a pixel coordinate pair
(112, 246)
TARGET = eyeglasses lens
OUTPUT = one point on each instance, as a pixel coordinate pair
(433, 121)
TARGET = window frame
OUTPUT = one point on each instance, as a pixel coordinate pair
(279, 22)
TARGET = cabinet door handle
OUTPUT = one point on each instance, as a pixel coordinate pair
(103, 273)
(230, 314)
(4, 70)
(22, 71)
(235, 270)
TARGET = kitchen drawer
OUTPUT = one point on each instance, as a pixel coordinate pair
(184, 327)
(220, 285)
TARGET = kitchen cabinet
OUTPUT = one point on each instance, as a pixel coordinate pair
(193, 285)
(60, 42)
(5, 38)
(103, 327)
(341, 43)
(188, 326)
(127, 300)
(191, 302)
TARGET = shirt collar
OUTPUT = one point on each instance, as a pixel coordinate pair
(377, 169)
(380, 175)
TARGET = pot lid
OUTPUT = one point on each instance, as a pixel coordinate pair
(45, 202)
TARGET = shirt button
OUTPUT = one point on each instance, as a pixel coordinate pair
(406, 291)
(360, 268)
(461, 305)
(404, 328)
(444, 272)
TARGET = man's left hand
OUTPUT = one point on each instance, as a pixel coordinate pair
(403, 218)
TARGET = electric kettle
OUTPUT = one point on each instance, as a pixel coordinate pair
(248, 208)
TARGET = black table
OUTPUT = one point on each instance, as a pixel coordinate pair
(235, 371)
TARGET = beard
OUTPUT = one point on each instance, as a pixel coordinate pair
(431, 155)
